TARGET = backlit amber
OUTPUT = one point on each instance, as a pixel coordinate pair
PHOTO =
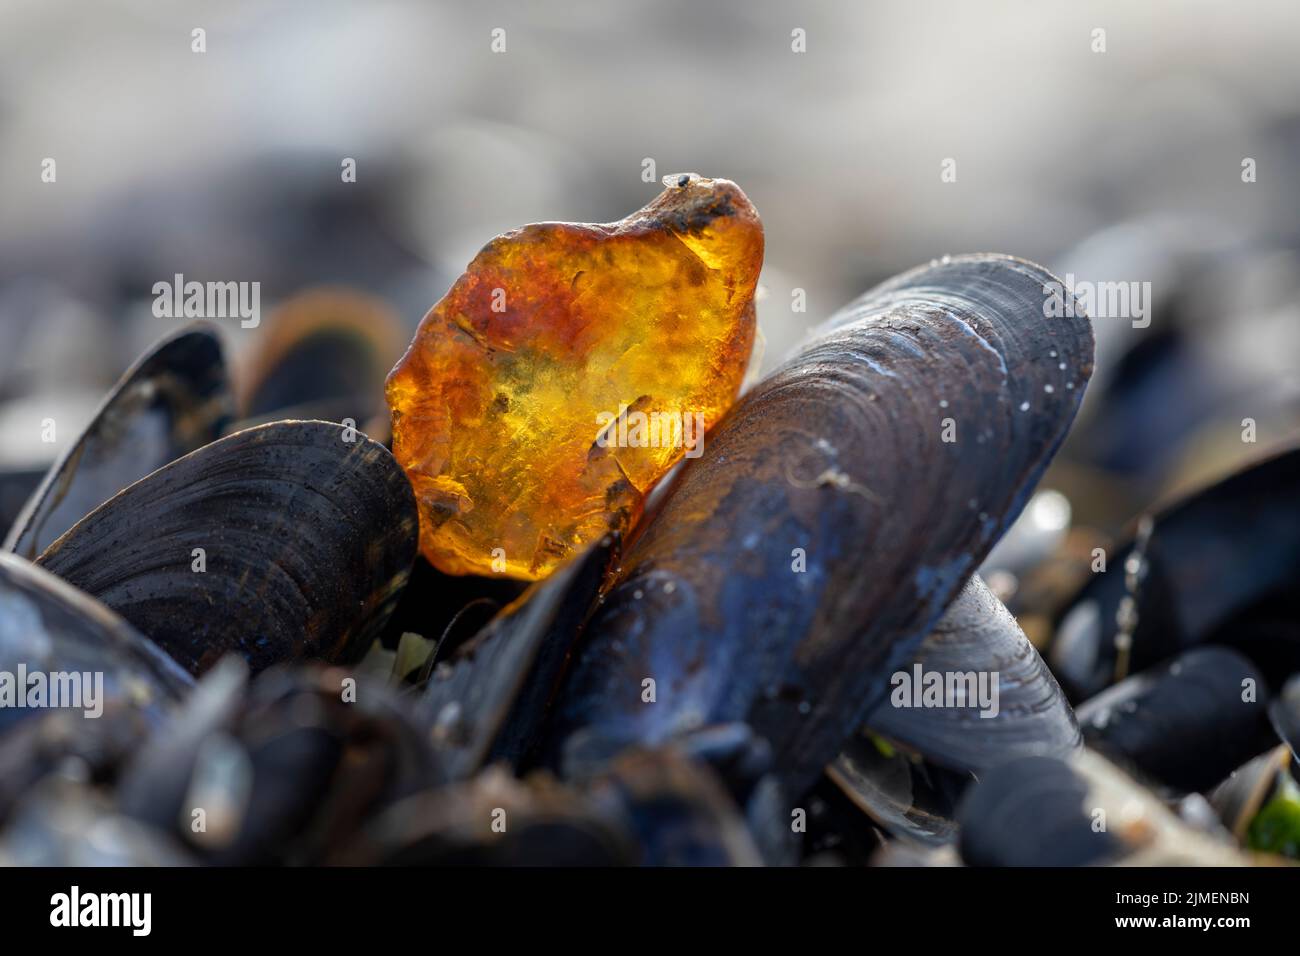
(567, 370)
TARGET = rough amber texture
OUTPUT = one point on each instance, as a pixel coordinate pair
(537, 404)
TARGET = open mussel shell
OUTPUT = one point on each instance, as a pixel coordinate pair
(324, 354)
(59, 643)
(1186, 724)
(287, 541)
(1218, 566)
(978, 644)
(487, 702)
(175, 399)
(1046, 811)
(829, 523)
(898, 790)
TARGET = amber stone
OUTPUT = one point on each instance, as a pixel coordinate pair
(540, 399)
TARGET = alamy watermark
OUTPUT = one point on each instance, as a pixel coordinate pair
(1098, 300)
(922, 688)
(130, 910)
(80, 690)
(628, 429)
(179, 299)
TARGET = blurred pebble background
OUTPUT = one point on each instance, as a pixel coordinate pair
(1123, 165)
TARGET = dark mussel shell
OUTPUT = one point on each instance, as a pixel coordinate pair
(1186, 724)
(487, 701)
(308, 534)
(324, 354)
(977, 635)
(676, 807)
(175, 399)
(837, 459)
(1034, 811)
(1218, 566)
(1046, 811)
(651, 807)
(282, 768)
(49, 627)
(17, 485)
(493, 819)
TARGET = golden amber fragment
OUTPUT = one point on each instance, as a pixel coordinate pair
(567, 370)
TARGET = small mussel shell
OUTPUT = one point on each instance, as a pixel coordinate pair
(829, 521)
(1238, 799)
(1032, 812)
(1186, 724)
(175, 399)
(281, 769)
(978, 638)
(1211, 558)
(1045, 811)
(492, 819)
(307, 534)
(156, 780)
(488, 701)
(676, 807)
(64, 640)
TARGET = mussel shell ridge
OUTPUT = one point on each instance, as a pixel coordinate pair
(287, 541)
(1029, 714)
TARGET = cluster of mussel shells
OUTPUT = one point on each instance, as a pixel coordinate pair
(287, 682)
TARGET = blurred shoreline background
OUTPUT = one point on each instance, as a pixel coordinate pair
(1122, 165)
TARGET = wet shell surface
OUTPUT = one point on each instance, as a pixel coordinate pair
(802, 558)
(287, 541)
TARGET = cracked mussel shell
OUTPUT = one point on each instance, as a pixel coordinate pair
(835, 513)
(287, 541)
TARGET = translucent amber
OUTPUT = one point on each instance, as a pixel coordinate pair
(538, 402)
